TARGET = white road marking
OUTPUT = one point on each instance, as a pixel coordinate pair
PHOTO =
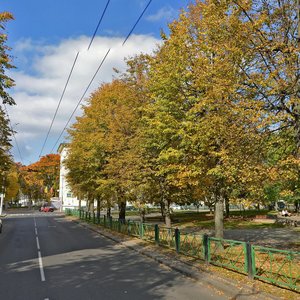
(35, 231)
(38, 243)
(41, 267)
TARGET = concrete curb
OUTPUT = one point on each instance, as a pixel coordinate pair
(202, 276)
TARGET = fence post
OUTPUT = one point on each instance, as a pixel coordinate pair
(156, 231)
(206, 248)
(86, 215)
(110, 222)
(141, 230)
(89, 216)
(104, 220)
(119, 225)
(249, 260)
(94, 218)
(177, 240)
(128, 227)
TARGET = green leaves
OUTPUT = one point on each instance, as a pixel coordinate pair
(198, 119)
(5, 61)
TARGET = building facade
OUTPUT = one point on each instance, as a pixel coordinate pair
(68, 200)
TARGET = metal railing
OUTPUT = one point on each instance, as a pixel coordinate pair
(278, 267)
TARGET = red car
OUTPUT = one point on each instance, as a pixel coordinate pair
(47, 208)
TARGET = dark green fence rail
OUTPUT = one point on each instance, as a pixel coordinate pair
(166, 237)
(278, 267)
(192, 245)
(228, 253)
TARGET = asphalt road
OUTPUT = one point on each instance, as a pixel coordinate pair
(46, 257)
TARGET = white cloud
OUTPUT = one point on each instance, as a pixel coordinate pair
(37, 93)
(165, 13)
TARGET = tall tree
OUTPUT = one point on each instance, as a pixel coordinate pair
(103, 140)
(12, 185)
(5, 83)
(40, 180)
(203, 129)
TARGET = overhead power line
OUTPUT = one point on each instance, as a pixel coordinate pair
(58, 105)
(137, 21)
(103, 13)
(125, 40)
(100, 20)
(83, 95)
(13, 134)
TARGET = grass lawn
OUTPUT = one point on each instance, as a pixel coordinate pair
(203, 219)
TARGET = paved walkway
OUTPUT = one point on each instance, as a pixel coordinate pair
(280, 238)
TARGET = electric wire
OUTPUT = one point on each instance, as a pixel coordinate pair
(58, 105)
(133, 27)
(100, 20)
(13, 134)
(125, 40)
(95, 74)
(103, 13)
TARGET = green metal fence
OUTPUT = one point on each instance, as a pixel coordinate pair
(228, 253)
(134, 228)
(272, 265)
(148, 232)
(277, 266)
(192, 245)
(167, 237)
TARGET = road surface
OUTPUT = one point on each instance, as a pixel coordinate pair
(47, 257)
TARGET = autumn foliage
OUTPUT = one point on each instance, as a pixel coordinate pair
(40, 180)
(212, 116)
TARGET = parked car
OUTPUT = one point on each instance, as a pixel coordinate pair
(47, 208)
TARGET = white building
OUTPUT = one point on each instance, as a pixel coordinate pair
(65, 193)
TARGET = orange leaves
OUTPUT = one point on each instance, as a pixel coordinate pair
(38, 178)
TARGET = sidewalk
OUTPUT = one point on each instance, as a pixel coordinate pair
(199, 271)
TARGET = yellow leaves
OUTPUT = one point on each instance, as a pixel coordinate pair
(13, 185)
(286, 193)
(193, 117)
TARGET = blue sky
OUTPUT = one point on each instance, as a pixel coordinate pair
(45, 37)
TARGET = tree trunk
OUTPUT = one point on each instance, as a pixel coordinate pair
(167, 213)
(122, 211)
(142, 214)
(98, 207)
(162, 209)
(219, 218)
(108, 212)
(79, 204)
(227, 210)
(91, 205)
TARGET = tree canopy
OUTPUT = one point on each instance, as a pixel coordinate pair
(212, 116)
(40, 180)
(5, 83)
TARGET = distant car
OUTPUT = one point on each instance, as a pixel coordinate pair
(47, 208)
